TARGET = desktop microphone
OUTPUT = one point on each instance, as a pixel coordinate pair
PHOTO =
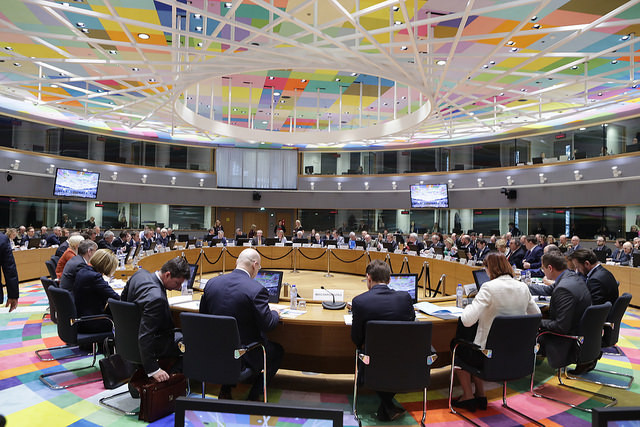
(332, 305)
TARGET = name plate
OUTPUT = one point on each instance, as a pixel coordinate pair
(439, 256)
(331, 246)
(219, 245)
(414, 253)
(192, 246)
(231, 244)
(343, 246)
(429, 255)
(297, 245)
(372, 249)
(307, 245)
(246, 244)
(397, 251)
(447, 258)
(383, 250)
(325, 295)
(359, 248)
(316, 245)
(463, 261)
(280, 245)
(149, 252)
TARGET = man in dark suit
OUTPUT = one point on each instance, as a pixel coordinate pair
(601, 247)
(147, 239)
(53, 239)
(617, 253)
(86, 249)
(569, 300)
(107, 241)
(237, 294)
(380, 303)
(413, 240)
(481, 250)
(516, 253)
(258, 240)
(8, 269)
(600, 282)
(533, 254)
(156, 336)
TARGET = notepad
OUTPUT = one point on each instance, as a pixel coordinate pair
(441, 312)
(288, 313)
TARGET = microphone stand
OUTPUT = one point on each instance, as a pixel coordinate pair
(332, 305)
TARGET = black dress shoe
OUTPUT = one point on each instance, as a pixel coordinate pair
(583, 368)
(470, 404)
(481, 403)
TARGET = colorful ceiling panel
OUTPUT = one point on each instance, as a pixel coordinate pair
(461, 70)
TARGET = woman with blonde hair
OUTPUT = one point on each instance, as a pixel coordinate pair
(91, 291)
(11, 233)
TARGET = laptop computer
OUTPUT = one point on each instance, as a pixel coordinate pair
(127, 254)
(407, 283)
(272, 281)
(183, 237)
(270, 241)
(171, 244)
(152, 246)
(34, 243)
(387, 245)
(193, 272)
(480, 276)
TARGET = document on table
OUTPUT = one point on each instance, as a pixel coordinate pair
(442, 312)
(288, 313)
(185, 301)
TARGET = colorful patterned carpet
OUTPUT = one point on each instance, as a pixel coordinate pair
(25, 401)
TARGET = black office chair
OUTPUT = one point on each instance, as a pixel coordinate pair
(509, 354)
(398, 358)
(46, 283)
(213, 352)
(51, 268)
(610, 339)
(588, 343)
(68, 332)
(126, 324)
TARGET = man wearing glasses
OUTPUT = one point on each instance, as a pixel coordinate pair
(238, 295)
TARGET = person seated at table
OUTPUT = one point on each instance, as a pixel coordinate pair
(337, 237)
(107, 241)
(352, 240)
(627, 254)
(314, 238)
(53, 239)
(237, 294)
(91, 291)
(11, 234)
(147, 240)
(482, 249)
(392, 241)
(413, 240)
(71, 251)
(221, 238)
(30, 234)
(380, 303)
(239, 234)
(450, 249)
(252, 231)
(212, 234)
(163, 240)
(500, 296)
(258, 239)
(280, 237)
(533, 254)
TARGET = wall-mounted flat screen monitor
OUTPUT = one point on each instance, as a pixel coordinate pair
(407, 283)
(429, 196)
(74, 183)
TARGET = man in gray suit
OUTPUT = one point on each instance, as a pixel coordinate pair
(156, 336)
(569, 300)
(86, 249)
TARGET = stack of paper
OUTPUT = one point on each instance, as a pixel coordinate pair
(442, 312)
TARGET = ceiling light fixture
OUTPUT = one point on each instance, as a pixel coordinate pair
(514, 49)
(575, 67)
(542, 178)
(394, 185)
(114, 176)
(480, 182)
(397, 23)
(201, 183)
(615, 171)
(577, 175)
(451, 184)
(366, 185)
(312, 185)
(173, 180)
(51, 169)
(510, 180)
(15, 165)
(339, 186)
(537, 26)
(143, 179)
(135, 69)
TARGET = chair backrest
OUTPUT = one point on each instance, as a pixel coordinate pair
(591, 326)
(55, 259)
(512, 340)
(611, 335)
(51, 268)
(209, 343)
(398, 352)
(46, 284)
(65, 310)
(126, 321)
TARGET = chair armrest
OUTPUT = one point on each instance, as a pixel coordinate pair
(610, 325)
(91, 318)
(238, 353)
(578, 338)
(464, 343)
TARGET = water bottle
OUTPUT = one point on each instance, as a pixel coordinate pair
(184, 290)
(523, 275)
(527, 278)
(293, 294)
(459, 294)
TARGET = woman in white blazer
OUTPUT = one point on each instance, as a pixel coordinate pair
(501, 296)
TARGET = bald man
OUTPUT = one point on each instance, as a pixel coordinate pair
(238, 295)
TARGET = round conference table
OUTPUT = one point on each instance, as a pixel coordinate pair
(320, 340)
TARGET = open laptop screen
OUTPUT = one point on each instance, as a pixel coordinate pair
(193, 272)
(272, 280)
(209, 412)
(480, 276)
(407, 283)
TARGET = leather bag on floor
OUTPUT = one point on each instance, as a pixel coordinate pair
(157, 399)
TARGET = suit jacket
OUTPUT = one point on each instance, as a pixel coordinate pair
(52, 239)
(604, 249)
(155, 335)
(617, 254)
(238, 295)
(164, 241)
(8, 267)
(255, 242)
(62, 248)
(69, 272)
(569, 300)
(146, 243)
(91, 292)
(602, 285)
(516, 257)
(379, 303)
(534, 257)
(480, 254)
(102, 244)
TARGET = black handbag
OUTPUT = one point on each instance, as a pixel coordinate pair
(114, 369)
